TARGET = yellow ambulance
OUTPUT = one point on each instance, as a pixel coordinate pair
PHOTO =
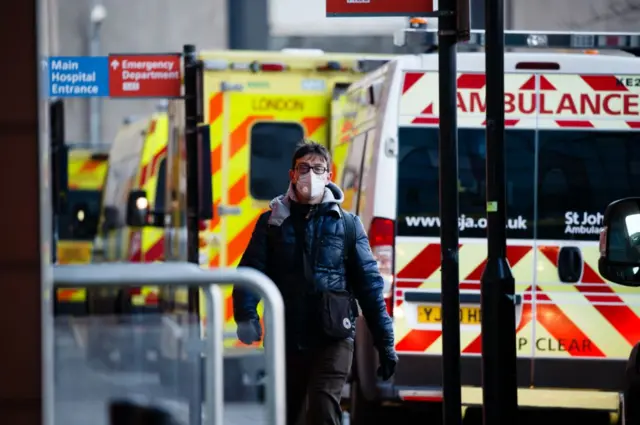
(258, 106)
(77, 225)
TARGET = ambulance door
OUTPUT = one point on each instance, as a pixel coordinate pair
(259, 135)
(418, 317)
(585, 327)
(252, 142)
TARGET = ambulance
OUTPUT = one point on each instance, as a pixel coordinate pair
(572, 146)
(257, 107)
(78, 224)
(137, 160)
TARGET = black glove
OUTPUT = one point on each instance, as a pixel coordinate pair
(388, 363)
(249, 332)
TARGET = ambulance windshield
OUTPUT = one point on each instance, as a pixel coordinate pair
(80, 220)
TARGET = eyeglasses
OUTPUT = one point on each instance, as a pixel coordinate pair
(317, 169)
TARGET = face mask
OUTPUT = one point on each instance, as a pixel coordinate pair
(311, 185)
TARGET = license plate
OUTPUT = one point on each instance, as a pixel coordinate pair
(74, 255)
(429, 314)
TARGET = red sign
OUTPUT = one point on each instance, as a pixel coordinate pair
(145, 75)
(354, 8)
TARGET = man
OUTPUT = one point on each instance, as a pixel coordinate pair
(301, 244)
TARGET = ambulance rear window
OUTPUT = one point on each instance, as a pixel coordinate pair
(272, 146)
(581, 172)
(80, 222)
(559, 182)
(418, 182)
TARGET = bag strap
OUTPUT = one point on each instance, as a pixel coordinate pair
(350, 255)
(349, 237)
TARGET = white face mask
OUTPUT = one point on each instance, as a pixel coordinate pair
(311, 185)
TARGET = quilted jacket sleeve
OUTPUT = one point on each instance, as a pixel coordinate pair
(368, 287)
(245, 302)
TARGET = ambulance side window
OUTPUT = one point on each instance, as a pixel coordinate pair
(352, 177)
(579, 173)
(271, 148)
(160, 203)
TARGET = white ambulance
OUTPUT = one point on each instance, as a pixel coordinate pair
(572, 147)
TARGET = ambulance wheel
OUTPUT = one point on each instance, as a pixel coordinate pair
(632, 388)
(363, 411)
(472, 416)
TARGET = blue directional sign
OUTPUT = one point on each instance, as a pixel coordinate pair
(78, 76)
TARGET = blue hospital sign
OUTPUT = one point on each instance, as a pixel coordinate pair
(78, 76)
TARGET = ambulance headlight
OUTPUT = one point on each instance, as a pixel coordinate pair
(537, 40)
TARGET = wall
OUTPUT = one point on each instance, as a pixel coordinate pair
(134, 26)
(301, 23)
(165, 25)
(581, 15)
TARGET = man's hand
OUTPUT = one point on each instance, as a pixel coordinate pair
(249, 332)
(388, 363)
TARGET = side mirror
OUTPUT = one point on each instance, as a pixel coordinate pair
(138, 208)
(620, 243)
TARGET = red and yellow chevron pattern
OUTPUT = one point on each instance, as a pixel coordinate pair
(229, 235)
(85, 171)
(589, 319)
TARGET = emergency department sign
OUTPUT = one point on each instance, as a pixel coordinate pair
(145, 75)
(118, 76)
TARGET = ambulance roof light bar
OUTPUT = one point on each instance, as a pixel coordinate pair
(537, 39)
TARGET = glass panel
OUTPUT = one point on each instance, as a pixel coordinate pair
(272, 146)
(580, 173)
(418, 182)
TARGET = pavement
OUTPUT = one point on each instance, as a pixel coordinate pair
(84, 389)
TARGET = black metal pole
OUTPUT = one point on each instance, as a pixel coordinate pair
(448, 147)
(59, 172)
(499, 382)
(191, 140)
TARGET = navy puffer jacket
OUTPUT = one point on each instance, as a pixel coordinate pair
(273, 251)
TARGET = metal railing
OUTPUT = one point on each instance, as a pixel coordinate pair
(187, 274)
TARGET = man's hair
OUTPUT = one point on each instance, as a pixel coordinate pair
(309, 147)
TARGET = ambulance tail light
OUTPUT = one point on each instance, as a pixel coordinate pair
(381, 239)
(203, 225)
(269, 67)
(258, 66)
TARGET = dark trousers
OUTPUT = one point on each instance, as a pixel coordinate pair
(314, 384)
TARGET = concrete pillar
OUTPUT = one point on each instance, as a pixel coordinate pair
(23, 250)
